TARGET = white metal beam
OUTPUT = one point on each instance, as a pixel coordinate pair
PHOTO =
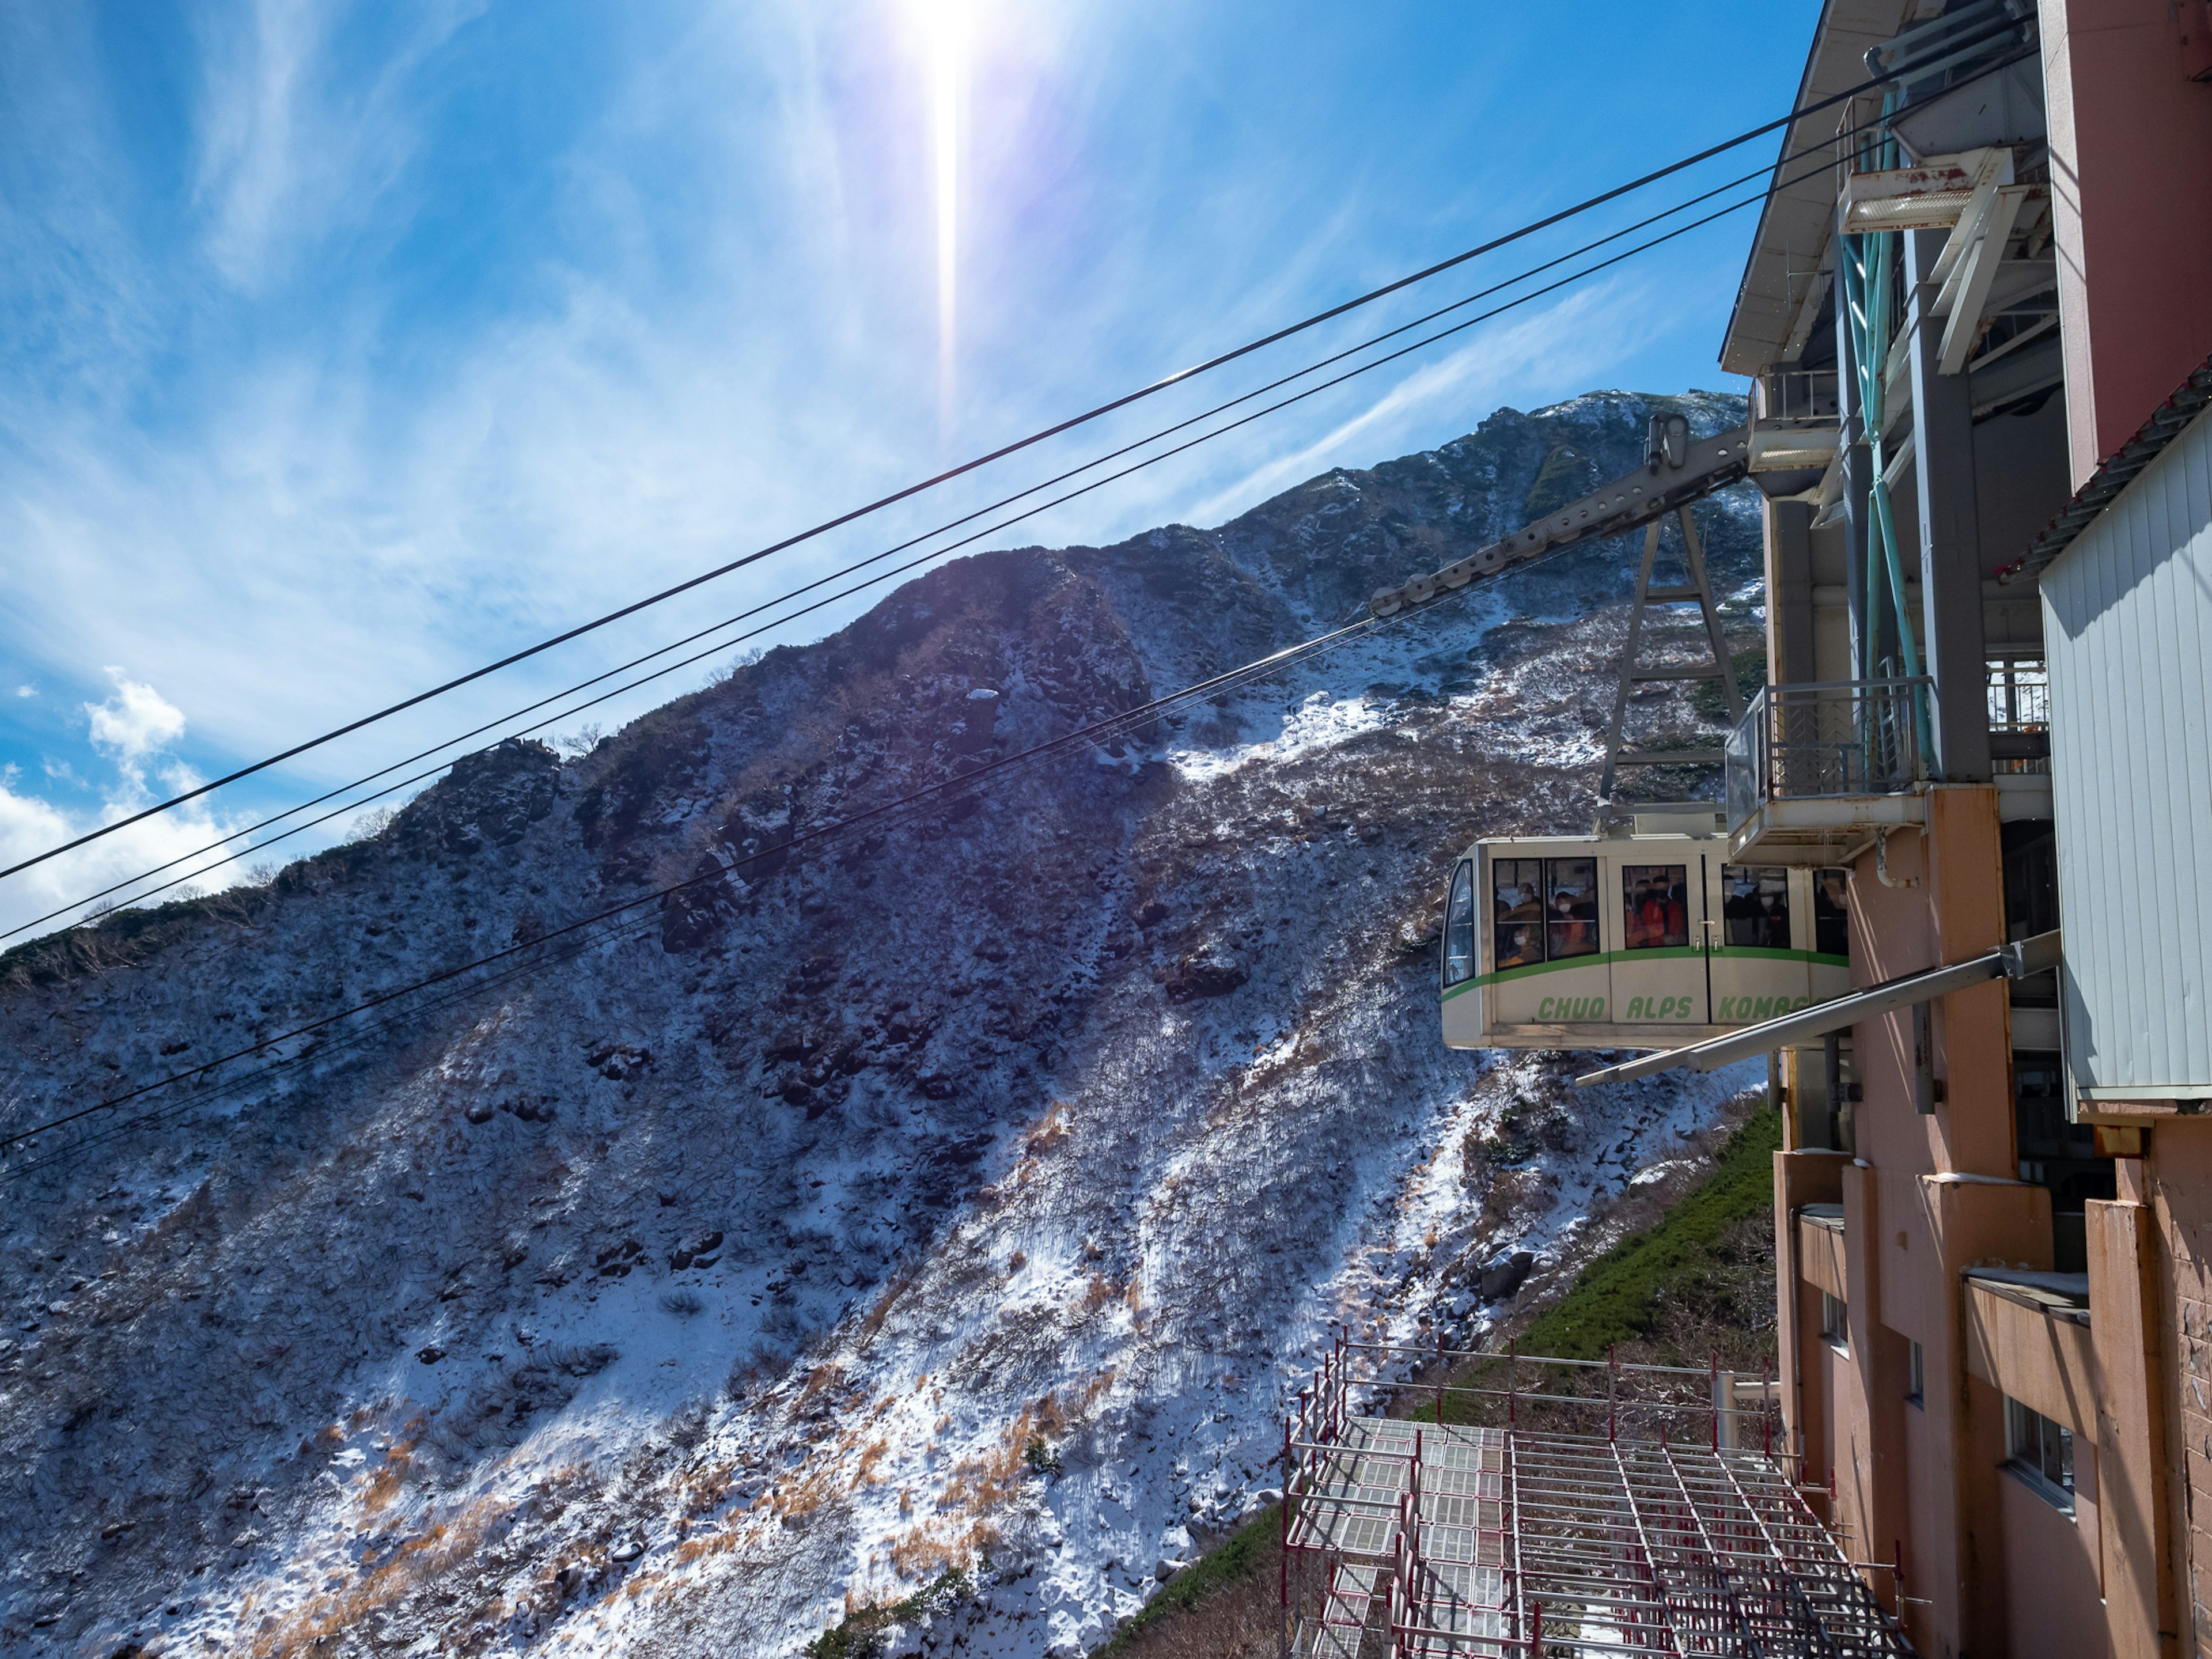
(2020, 961)
(1976, 272)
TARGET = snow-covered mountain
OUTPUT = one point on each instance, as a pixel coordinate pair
(964, 1195)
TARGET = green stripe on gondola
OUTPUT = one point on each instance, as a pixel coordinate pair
(1664, 953)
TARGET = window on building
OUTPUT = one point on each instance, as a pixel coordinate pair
(2020, 706)
(1654, 906)
(2041, 1452)
(1543, 910)
(1756, 906)
(2031, 879)
(1917, 1393)
(1836, 1323)
(1831, 931)
(1459, 927)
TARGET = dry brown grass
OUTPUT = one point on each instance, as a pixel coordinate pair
(875, 1454)
(901, 1282)
(411, 1568)
(924, 1552)
(391, 1477)
(1053, 1127)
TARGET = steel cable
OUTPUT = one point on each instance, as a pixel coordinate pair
(965, 467)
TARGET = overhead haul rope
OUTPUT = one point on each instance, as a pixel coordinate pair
(940, 552)
(1895, 74)
(578, 939)
(1095, 732)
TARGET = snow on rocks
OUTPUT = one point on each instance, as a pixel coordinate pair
(936, 1223)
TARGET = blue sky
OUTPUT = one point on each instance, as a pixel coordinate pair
(351, 346)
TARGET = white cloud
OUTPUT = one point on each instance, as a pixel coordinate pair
(719, 329)
(135, 722)
(293, 143)
(57, 893)
(27, 690)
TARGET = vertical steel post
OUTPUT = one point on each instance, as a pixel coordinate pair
(1716, 1399)
(1512, 1400)
(1441, 1377)
(1612, 1395)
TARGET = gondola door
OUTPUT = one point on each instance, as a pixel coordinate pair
(1756, 967)
(1659, 970)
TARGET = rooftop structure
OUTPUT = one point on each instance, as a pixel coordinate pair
(1621, 1509)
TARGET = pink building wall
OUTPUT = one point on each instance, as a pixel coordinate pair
(2131, 173)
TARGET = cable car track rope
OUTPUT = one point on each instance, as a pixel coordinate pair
(1092, 733)
(908, 491)
(941, 551)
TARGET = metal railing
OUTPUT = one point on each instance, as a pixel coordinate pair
(1534, 1506)
(1838, 738)
(2019, 715)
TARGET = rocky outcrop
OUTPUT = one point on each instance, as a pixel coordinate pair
(665, 1284)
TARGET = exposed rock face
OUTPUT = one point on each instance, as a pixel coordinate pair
(970, 1184)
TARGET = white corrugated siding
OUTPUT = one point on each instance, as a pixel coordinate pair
(2128, 623)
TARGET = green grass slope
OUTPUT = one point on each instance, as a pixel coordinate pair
(1698, 1281)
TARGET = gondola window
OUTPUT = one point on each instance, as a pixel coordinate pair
(1571, 914)
(1832, 935)
(1543, 910)
(1517, 911)
(1655, 907)
(1756, 906)
(1459, 927)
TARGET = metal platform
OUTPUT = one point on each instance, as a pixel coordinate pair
(1422, 1539)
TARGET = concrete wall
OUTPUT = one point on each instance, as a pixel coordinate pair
(2051, 1605)
(2178, 1353)
(2042, 1362)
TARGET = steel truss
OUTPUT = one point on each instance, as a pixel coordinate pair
(1434, 1540)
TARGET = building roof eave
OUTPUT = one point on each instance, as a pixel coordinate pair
(1791, 242)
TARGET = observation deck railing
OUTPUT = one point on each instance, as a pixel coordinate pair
(1828, 741)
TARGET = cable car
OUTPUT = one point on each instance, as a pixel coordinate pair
(1631, 940)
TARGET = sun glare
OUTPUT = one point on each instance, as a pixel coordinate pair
(945, 23)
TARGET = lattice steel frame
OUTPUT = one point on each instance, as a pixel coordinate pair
(1440, 1540)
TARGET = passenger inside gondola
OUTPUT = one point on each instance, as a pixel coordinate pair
(1517, 912)
(1831, 914)
(1654, 908)
(1571, 926)
(1756, 906)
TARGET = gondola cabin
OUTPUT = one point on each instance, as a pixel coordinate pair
(1627, 941)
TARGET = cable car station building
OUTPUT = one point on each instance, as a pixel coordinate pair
(1982, 330)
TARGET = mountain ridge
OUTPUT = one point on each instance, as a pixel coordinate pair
(1066, 1113)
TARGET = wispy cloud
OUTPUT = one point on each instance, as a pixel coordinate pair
(424, 330)
(295, 141)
